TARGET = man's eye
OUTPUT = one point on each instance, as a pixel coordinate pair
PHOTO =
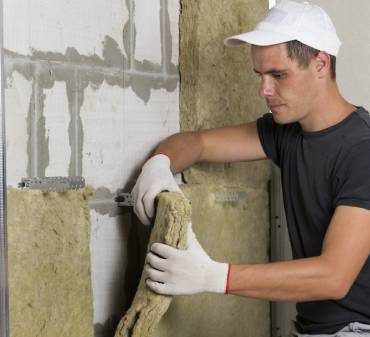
(278, 76)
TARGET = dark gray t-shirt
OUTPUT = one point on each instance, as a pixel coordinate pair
(320, 171)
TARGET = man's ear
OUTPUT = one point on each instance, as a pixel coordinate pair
(322, 64)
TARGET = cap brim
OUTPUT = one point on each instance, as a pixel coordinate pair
(258, 38)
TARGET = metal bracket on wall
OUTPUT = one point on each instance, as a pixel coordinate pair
(124, 200)
(52, 184)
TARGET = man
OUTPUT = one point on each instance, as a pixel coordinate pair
(321, 142)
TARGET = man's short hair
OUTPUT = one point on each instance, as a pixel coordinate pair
(303, 54)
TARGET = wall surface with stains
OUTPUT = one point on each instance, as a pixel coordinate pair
(91, 87)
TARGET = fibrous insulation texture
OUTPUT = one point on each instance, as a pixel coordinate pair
(49, 264)
(218, 84)
(170, 227)
(230, 225)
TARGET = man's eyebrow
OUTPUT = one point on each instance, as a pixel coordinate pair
(271, 71)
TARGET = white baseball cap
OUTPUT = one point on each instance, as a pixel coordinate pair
(290, 20)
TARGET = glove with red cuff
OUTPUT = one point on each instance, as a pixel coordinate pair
(172, 271)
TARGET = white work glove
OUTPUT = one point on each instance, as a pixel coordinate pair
(172, 271)
(155, 177)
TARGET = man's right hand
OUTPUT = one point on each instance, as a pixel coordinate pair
(155, 177)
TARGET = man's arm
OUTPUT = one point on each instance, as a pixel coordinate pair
(329, 276)
(182, 150)
(219, 145)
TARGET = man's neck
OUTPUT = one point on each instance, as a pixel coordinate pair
(330, 109)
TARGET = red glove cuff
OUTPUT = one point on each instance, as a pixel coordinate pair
(227, 290)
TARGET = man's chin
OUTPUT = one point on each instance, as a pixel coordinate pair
(279, 119)
(280, 115)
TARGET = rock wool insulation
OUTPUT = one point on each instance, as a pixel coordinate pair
(49, 264)
(172, 218)
(230, 225)
(229, 201)
(236, 234)
(218, 85)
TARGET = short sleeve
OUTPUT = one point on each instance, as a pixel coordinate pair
(266, 131)
(353, 178)
(271, 135)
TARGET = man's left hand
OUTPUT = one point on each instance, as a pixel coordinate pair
(183, 272)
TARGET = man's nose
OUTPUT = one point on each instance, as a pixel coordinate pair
(266, 87)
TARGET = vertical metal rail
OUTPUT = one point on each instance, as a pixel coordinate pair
(4, 295)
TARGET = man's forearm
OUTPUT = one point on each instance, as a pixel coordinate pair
(218, 145)
(298, 281)
(183, 149)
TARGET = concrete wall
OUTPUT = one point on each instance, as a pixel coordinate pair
(91, 87)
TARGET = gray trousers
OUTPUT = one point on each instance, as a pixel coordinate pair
(351, 330)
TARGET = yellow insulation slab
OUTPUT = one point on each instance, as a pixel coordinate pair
(49, 264)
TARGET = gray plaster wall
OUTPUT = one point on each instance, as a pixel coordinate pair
(91, 87)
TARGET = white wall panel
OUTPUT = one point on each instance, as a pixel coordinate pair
(120, 126)
(148, 37)
(174, 12)
(145, 125)
(17, 103)
(57, 118)
(108, 264)
(102, 120)
(56, 25)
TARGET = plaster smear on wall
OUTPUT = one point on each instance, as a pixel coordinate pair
(63, 61)
(49, 264)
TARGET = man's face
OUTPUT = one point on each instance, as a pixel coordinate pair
(289, 90)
